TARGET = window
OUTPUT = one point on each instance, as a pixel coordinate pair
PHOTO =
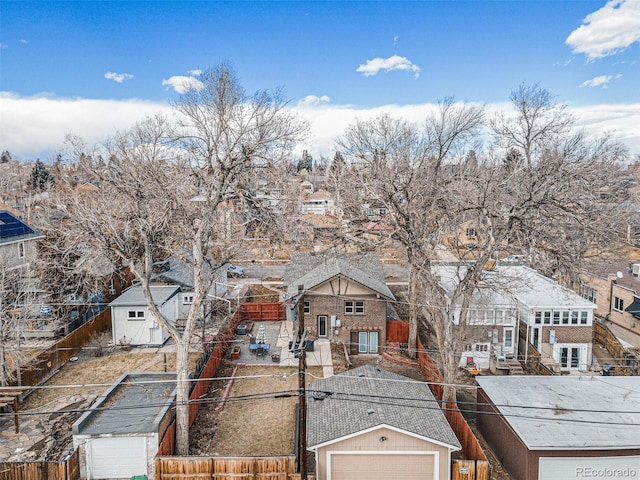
(574, 318)
(584, 316)
(569, 357)
(481, 347)
(538, 318)
(547, 318)
(471, 232)
(618, 304)
(187, 299)
(367, 342)
(590, 294)
(136, 314)
(556, 318)
(508, 338)
(354, 307)
(565, 318)
(21, 252)
(307, 307)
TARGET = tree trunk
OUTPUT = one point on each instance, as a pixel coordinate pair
(182, 396)
(413, 314)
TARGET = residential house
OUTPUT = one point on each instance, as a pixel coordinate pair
(562, 427)
(179, 271)
(312, 228)
(345, 297)
(491, 329)
(131, 320)
(614, 286)
(17, 241)
(119, 436)
(319, 203)
(370, 424)
(556, 321)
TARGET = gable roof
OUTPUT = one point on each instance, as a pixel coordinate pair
(568, 412)
(368, 397)
(12, 229)
(133, 296)
(313, 269)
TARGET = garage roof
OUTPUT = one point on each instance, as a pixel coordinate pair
(134, 404)
(367, 397)
(569, 412)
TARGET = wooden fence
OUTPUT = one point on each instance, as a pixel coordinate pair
(68, 469)
(620, 355)
(470, 445)
(227, 468)
(204, 376)
(397, 331)
(46, 363)
(263, 312)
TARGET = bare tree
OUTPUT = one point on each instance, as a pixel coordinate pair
(170, 188)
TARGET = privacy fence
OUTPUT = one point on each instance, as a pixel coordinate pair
(68, 469)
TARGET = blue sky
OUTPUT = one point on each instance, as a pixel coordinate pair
(92, 67)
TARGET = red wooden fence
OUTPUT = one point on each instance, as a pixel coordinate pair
(397, 331)
(263, 312)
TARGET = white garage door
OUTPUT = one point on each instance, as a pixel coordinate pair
(579, 468)
(381, 466)
(116, 457)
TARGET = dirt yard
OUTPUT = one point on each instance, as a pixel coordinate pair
(258, 417)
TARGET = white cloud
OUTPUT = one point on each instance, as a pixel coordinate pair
(195, 72)
(3, 45)
(118, 77)
(395, 39)
(608, 30)
(22, 40)
(601, 80)
(312, 100)
(395, 62)
(33, 127)
(36, 126)
(182, 84)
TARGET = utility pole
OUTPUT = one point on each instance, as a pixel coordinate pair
(302, 366)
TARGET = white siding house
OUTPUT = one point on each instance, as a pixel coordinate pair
(132, 322)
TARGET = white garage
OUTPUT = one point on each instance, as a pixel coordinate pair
(121, 433)
(369, 424)
(116, 457)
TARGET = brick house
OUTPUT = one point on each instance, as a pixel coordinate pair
(345, 298)
(614, 286)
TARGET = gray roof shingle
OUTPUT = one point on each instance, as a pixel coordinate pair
(367, 397)
(311, 270)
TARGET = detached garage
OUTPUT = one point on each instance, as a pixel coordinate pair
(562, 427)
(120, 435)
(369, 424)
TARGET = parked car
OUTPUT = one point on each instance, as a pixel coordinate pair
(236, 271)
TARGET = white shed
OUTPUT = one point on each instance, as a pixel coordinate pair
(131, 319)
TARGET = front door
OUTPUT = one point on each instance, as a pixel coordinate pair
(322, 325)
(569, 357)
(535, 338)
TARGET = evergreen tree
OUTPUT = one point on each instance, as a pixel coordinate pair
(40, 178)
(5, 157)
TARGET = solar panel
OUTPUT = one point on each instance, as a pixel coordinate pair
(10, 226)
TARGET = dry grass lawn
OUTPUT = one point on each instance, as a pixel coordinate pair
(258, 417)
(95, 374)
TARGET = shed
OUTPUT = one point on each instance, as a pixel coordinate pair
(119, 436)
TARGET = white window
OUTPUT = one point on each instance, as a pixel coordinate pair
(556, 318)
(136, 315)
(618, 304)
(538, 318)
(481, 347)
(547, 318)
(187, 299)
(367, 342)
(322, 325)
(565, 318)
(590, 294)
(584, 316)
(471, 232)
(21, 252)
(354, 307)
(574, 318)
(307, 307)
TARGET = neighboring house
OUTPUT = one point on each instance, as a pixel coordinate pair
(319, 203)
(562, 427)
(614, 286)
(17, 241)
(310, 228)
(132, 322)
(345, 297)
(555, 320)
(492, 320)
(176, 271)
(119, 436)
(370, 424)
(375, 210)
